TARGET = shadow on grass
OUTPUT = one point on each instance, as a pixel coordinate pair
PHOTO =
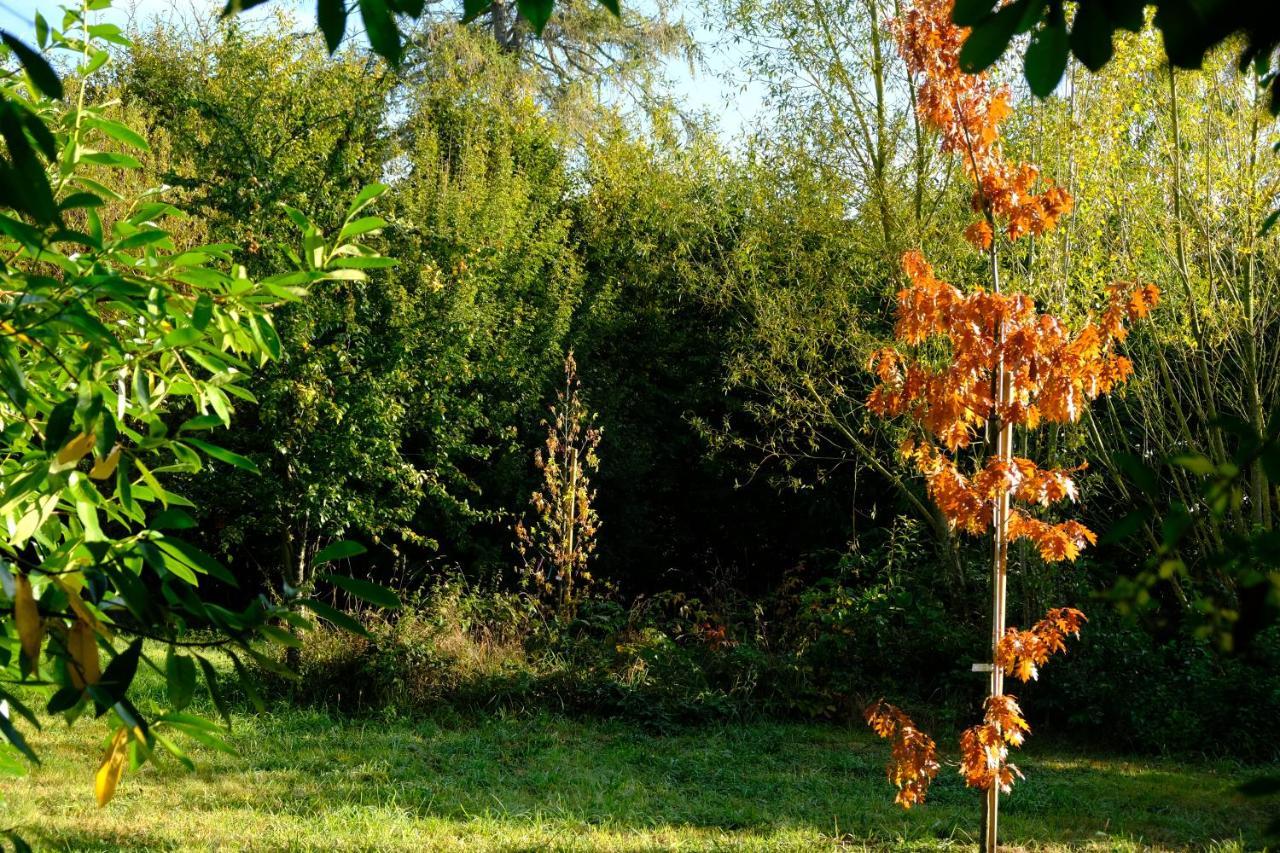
(543, 778)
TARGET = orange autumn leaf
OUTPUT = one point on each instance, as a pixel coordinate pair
(966, 110)
(913, 763)
(1022, 653)
(991, 360)
(984, 748)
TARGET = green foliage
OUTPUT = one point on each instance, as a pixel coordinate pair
(817, 648)
(250, 120)
(1248, 563)
(384, 19)
(124, 354)
(1189, 31)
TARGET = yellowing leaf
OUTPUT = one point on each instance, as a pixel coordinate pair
(112, 768)
(104, 468)
(76, 448)
(82, 644)
(77, 604)
(26, 615)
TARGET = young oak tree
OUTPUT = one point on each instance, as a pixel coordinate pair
(987, 360)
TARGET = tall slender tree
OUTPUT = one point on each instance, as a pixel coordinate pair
(977, 365)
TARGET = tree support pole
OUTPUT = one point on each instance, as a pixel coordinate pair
(1003, 434)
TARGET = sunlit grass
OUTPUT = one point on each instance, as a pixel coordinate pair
(303, 780)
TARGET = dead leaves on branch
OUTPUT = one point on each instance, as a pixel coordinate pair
(1022, 653)
(1053, 374)
(968, 502)
(966, 110)
(1054, 371)
(914, 761)
(984, 748)
(1004, 364)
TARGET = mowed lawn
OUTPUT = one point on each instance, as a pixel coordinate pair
(307, 781)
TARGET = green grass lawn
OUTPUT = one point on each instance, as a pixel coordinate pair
(304, 780)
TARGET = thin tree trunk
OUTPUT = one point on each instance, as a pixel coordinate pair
(1003, 434)
(1260, 491)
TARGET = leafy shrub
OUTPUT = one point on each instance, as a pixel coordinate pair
(814, 648)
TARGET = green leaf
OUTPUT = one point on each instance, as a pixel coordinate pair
(1269, 222)
(41, 134)
(1127, 14)
(267, 334)
(19, 707)
(197, 728)
(366, 197)
(180, 675)
(109, 32)
(988, 40)
(42, 30)
(280, 636)
(64, 700)
(366, 591)
(337, 617)
(1032, 14)
(107, 158)
(12, 766)
(246, 683)
(1196, 463)
(361, 226)
(966, 13)
(120, 132)
(41, 72)
(124, 483)
(380, 25)
(201, 422)
(332, 17)
(116, 678)
(172, 519)
(338, 551)
(202, 313)
(15, 737)
(1091, 33)
(223, 455)
(58, 427)
(181, 337)
(143, 238)
(174, 750)
(365, 262)
(1046, 59)
(97, 59)
(195, 558)
(80, 199)
(215, 692)
(536, 12)
(166, 564)
(472, 9)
